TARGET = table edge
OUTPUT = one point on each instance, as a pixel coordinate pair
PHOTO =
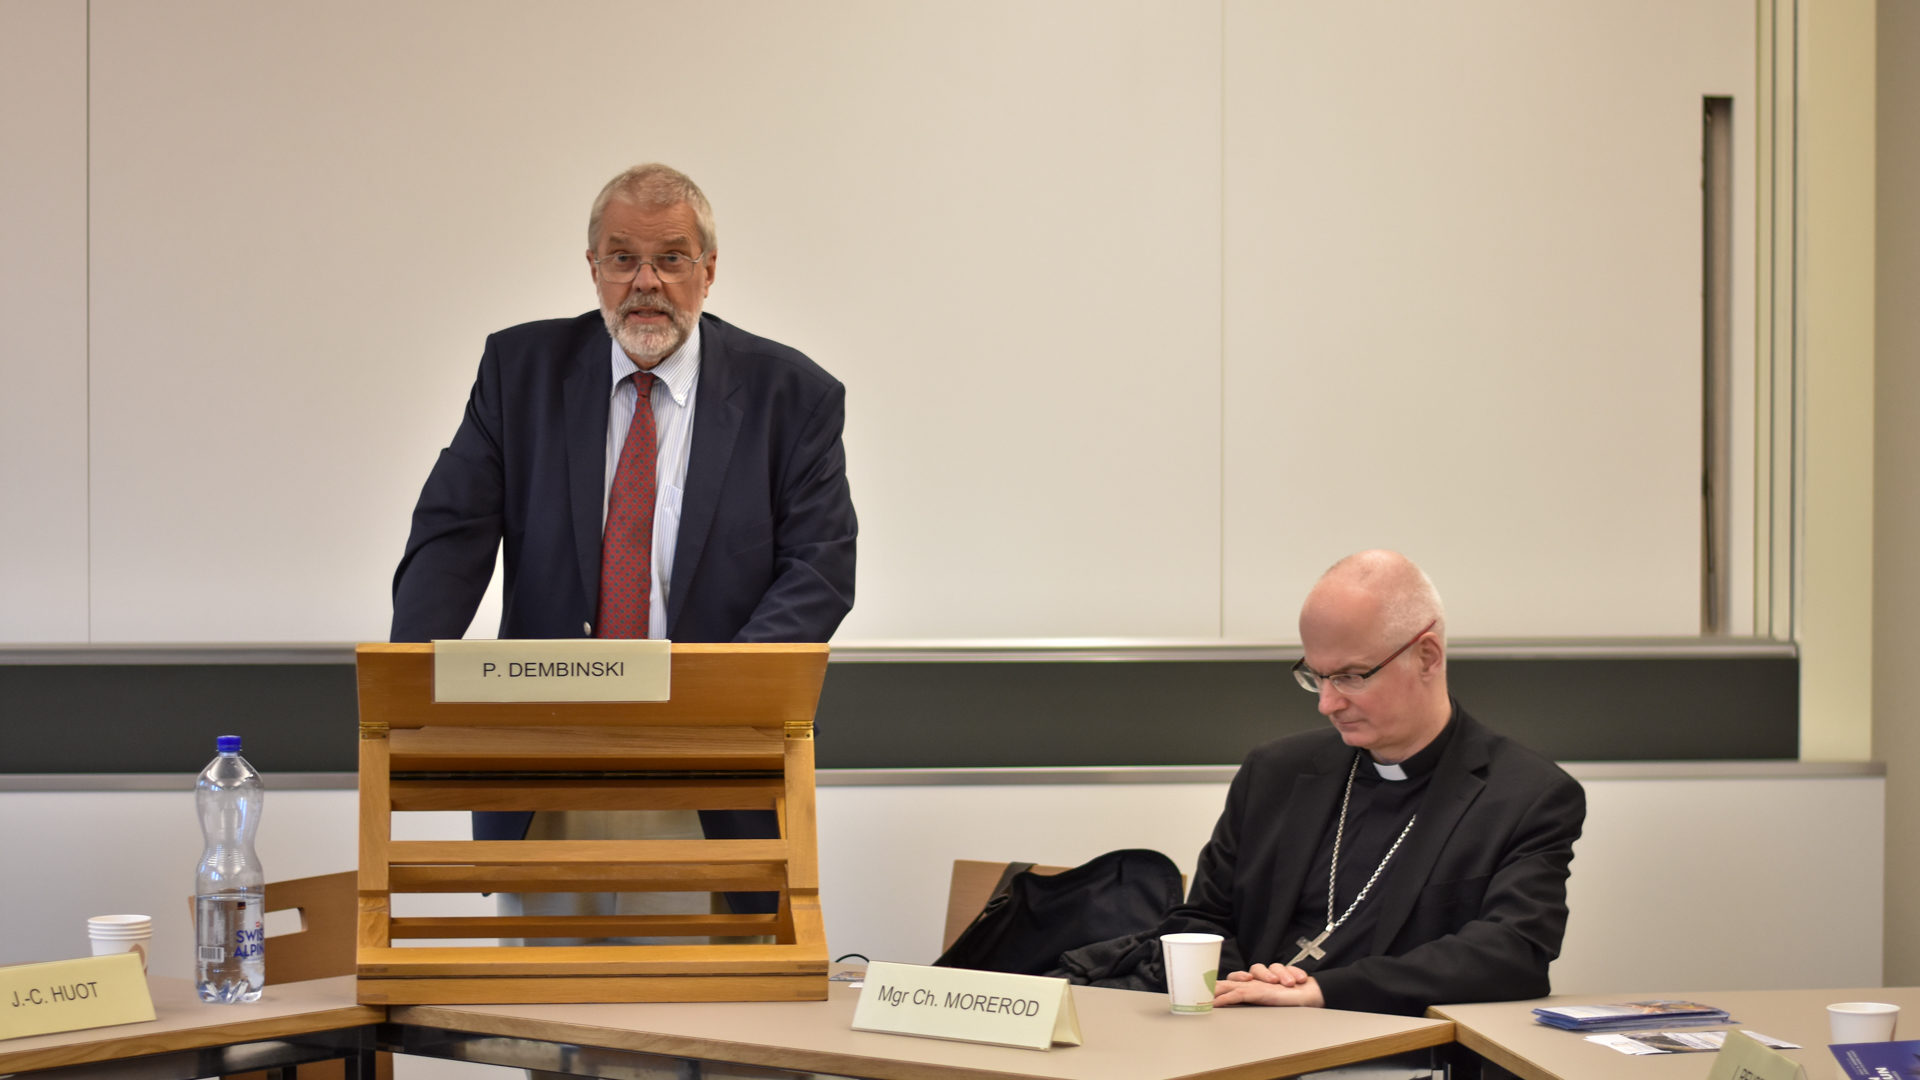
(1439, 1032)
(130, 1045)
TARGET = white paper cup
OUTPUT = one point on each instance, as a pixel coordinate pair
(121, 933)
(1193, 965)
(1862, 1021)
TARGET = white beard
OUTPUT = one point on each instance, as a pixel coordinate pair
(648, 345)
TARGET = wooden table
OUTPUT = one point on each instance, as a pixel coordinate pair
(290, 1024)
(1129, 1036)
(1506, 1034)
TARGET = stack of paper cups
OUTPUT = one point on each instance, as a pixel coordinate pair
(121, 933)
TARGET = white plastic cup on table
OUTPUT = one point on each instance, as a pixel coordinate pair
(1193, 966)
(112, 934)
(1862, 1021)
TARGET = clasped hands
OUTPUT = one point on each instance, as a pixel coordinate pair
(1269, 984)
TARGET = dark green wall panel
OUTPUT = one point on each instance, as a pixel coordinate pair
(300, 717)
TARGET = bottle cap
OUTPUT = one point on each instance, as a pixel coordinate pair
(228, 744)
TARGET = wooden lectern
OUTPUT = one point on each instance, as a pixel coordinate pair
(736, 735)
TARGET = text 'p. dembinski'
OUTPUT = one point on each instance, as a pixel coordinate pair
(584, 669)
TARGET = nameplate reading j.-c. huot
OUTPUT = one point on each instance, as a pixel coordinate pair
(1027, 1011)
(68, 995)
(587, 669)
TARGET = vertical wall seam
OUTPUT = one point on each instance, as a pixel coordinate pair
(1771, 451)
(1764, 274)
(87, 304)
(1716, 359)
(1796, 460)
(1220, 557)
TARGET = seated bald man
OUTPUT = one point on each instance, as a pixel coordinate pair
(1446, 845)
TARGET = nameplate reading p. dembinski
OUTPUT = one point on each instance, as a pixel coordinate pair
(69, 995)
(1027, 1011)
(585, 669)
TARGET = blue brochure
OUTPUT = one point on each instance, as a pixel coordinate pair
(1879, 1060)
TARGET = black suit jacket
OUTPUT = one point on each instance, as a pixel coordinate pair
(766, 544)
(1473, 907)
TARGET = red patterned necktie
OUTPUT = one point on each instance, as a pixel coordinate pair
(626, 544)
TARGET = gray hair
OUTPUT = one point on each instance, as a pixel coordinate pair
(1412, 607)
(659, 186)
(1408, 600)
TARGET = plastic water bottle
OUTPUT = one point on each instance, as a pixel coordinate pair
(230, 892)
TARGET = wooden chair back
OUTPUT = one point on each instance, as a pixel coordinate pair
(323, 945)
(321, 948)
(970, 889)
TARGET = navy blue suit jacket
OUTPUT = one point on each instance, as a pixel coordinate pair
(767, 529)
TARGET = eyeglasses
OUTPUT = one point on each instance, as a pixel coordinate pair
(1350, 682)
(671, 268)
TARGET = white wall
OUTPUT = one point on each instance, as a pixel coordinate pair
(1896, 521)
(1677, 883)
(1209, 295)
(1462, 304)
(43, 315)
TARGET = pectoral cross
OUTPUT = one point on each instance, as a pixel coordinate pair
(1310, 948)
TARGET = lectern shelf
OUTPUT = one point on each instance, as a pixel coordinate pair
(737, 734)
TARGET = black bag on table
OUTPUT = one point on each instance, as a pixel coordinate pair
(1032, 918)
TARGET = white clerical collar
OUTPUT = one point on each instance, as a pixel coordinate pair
(1389, 772)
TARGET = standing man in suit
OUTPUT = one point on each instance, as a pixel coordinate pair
(651, 471)
(1404, 858)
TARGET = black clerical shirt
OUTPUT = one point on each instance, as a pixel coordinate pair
(1376, 814)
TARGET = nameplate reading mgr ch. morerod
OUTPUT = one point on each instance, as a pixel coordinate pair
(585, 669)
(1027, 1011)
